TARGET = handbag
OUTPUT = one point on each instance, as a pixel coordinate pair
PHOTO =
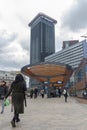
(6, 102)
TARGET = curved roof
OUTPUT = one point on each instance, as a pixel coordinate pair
(48, 71)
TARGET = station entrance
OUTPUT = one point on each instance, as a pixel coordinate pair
(49, 73)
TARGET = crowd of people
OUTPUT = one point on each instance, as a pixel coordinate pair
(58, 92)
(34, 92)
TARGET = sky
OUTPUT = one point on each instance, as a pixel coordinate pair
(15, 15)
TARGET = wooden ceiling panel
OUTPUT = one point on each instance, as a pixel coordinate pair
(44, 71)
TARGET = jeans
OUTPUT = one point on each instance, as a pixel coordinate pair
(2, 102)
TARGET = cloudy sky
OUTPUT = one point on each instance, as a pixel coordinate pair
(15, 15)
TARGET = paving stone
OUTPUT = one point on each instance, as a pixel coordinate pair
(48, 114)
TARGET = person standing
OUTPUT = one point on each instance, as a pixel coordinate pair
(18, 89)
(59, 91)
(3, 92)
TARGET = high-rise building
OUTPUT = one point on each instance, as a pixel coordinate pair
(42, 37)
(42, 42)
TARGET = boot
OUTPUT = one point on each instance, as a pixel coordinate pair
(13, 123)
(17, 120)
(2, 112)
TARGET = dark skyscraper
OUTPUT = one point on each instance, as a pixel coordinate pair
(42, 41)
(42, 37)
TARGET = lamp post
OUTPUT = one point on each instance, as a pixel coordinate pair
(75, 82)
(6, 77)
(84, 36)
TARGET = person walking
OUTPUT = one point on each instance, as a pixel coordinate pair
(35, 92)
(18, 89)
(65, 94)
(3, 92)
(59, 91)
(31, 93)
(42, 93)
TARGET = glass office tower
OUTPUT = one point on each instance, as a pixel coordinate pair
(42, 42)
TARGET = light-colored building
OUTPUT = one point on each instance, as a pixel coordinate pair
(7, 76)
(71, 55)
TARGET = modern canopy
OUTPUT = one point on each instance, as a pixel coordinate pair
(52, 72)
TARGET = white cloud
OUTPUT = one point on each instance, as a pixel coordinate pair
(12, 53)
(14, 56)
(15, 33)
(75, 18)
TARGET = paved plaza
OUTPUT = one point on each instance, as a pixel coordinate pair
(48, 114)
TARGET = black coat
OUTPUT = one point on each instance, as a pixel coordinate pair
(18, 95)
(3, 91)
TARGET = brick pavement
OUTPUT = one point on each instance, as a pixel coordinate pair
(48, 114)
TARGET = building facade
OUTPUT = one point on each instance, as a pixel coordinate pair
(42, 37)
(71, 55)
(69, 43)
(79, 87)
(7, 76)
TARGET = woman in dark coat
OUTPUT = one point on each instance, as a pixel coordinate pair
(18, 88)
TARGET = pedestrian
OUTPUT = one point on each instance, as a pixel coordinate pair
(3, 92)
(65, 94)
(17, 90)
(42, 93)
(31, 93)
(35, 92)
(59, 91)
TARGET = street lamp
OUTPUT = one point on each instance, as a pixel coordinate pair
(84, 36)
(6, 77)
